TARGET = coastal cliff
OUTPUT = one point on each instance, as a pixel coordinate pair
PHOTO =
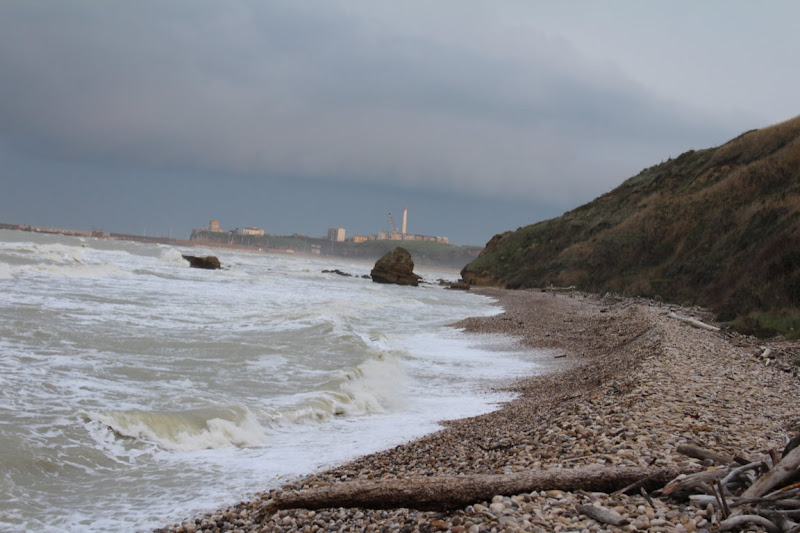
(718, 227)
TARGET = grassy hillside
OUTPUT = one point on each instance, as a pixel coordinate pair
(718, 227)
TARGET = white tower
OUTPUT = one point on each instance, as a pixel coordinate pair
(405, 220)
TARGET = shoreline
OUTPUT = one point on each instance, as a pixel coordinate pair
(633, 384)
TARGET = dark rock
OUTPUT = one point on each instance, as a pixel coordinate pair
(395, 267)
(209, 262)
(450, 284)
(337, 271)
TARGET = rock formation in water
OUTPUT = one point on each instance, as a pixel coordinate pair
(208, 262)
(395, 267)
(338, 272)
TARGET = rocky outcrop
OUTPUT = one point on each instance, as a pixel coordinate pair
(338, 272)
(208, 262)
(395, 267)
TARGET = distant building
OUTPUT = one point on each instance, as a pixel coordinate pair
(213, 225)
(403, 234)
(336, 234)
(360, 238)
(394, 236)
(253, 231)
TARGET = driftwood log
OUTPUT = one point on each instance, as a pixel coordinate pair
(452, 492)
(755, 505)
(693, 322)
(785, 469)
(702, 453)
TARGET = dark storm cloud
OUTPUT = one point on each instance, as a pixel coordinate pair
(318, 91)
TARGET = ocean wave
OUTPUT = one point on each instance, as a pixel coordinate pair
(32, 253)
(374, 386)
(162, 275)
(171, 256)
(190, 430)
(58, 253)
(75, 270)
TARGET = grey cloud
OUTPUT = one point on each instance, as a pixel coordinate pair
(314, 91)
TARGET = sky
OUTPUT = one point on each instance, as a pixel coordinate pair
(153, 117)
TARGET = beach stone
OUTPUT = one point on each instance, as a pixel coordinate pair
(395, 267)
(636, 384)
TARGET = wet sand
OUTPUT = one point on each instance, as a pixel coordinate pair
(628, 384)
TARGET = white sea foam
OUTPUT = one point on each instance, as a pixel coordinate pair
(127, 375)
(188, 430)
(75, 270)
(375, 386)
(171, 256)
(59, 253)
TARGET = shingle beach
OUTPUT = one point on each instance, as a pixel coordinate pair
(630, 382)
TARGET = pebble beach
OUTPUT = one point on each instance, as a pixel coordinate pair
(628, 382)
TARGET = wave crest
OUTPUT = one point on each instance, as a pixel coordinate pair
(197, 429)
(374, 386)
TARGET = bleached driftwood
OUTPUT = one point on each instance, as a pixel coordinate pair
(452, 492)
(738, 521)
(692, 481)
(553, 288)
(701, 453)
(786, 468)
(693, 322)
(756, 505)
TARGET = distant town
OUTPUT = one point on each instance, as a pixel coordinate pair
(426, 249)
(213, 233)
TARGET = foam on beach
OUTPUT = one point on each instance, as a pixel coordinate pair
(131, 376)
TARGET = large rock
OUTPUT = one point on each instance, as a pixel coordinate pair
(209, 262)
(395, 267)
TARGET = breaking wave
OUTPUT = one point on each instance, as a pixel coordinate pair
(375, 386)
(191, 430)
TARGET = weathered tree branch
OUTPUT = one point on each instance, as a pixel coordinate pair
(738, 521)
(452, 492)
(780, 472)
(702, 453)
(692, 481)
(693, 322)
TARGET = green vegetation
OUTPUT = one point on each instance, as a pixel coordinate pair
(718, 227)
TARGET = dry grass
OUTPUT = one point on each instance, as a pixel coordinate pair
(717, 227)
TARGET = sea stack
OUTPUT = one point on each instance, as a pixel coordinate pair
(395, 267)
(209, 262)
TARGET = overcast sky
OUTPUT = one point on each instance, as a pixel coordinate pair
(155, 116)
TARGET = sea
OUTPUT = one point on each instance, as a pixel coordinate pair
(136, 392)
